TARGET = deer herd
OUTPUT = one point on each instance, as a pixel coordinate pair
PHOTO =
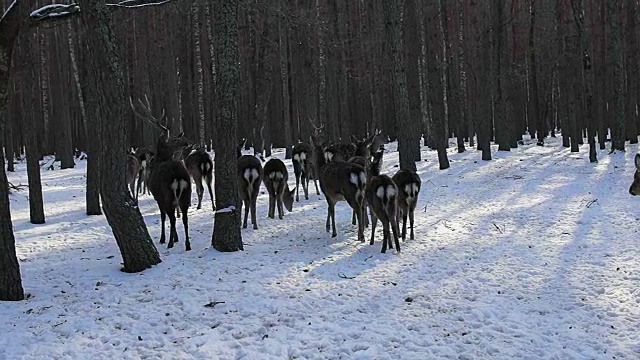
(346, 171)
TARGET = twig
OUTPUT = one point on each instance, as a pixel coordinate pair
(345, 276)
(213, 303)
(591, 203)
(497, 227)
(370, 256)
(16, 187)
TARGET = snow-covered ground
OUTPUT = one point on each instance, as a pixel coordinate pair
(533, 255)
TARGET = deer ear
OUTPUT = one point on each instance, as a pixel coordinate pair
(637, 161)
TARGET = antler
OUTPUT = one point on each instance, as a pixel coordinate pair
(147, 115)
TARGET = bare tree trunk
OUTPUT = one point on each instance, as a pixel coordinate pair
(10, 280)
(284, 78)
(195, 11)
(534, 114)
(393, 10)
(501, 124)
(321, 67)
(463, 99)
(618, 133)
(226, 229)
(44, 146)
(102, 75)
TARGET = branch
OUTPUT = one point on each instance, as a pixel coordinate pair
(129, 4)
(61, 11)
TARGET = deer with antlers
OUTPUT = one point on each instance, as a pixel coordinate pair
(169, 180)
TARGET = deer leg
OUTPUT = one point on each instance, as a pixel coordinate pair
(254, 220)
(411, 222)
(364, 213)
(305, 185)
(172, 231)
(272, 206)
(207, 179)
(353, 217)
(163, 217)
(185, 223)
(316, 182)
(246, 213)
(359, 214)
(374, 223)
(404, 225)
(332, 212)
(394, 229)
(279, 203)
(385, 236)
(298, 187)
(199, 189)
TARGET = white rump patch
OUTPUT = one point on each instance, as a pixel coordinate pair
(416, 189)
(407, 190)
(203, 166)
(174, 185)
(363, 178)
(391, 191)
(247, 174)
(380, 192)
(254, 174)
(208, 166)
(328, 155)
(296, 157)
(144, 164)
(183, 184)
(353, 178)
(303, 156)
(276, 175)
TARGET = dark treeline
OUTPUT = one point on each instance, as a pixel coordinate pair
(496, 69)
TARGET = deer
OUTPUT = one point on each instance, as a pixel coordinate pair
(200, 166)
(345, 151)
(382, 196)
(304, 168)
(249, 178)
(372, 169)
(144, 155)
(408, 183)
(275, 180)
(340, 181)
(169, 180)
(634, 189)
(133, 167)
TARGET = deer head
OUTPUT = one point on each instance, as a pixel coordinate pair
(635, 186)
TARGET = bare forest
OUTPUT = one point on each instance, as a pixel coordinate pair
(96, 79)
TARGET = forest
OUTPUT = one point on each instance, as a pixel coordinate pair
(509, 127)
(98, 82)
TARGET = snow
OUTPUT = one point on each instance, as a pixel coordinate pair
(532, 255)
(138, 3)
(8, 9)
(226, 210)
(54, 10)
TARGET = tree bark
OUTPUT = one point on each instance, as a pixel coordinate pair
(226, 229)
(102, 74)
(10, 280)
(393, 16)
(618, 131)
(284, 78)
(462, 91)
(534, 114)
(502, 125)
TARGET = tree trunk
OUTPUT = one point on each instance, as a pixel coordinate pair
(284, 78)
(462, 91)
(195, 9)
(226, 229)
(534, 114)
(104, 86)
(393, 15)
(631, 117)
(10, 280)
(501, 123)
(441, 128)
(618, 133)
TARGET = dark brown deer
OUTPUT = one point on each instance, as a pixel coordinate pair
(249, 179)
(200, 166)
(304, 168)
(635, 186)
(340, 181)
(275, 180)
(133, 167)
(372, 169)
(144, 155)
(382, 197)
(408, 183)
(169, 180)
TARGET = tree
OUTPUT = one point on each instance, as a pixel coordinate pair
(618, 133)
(104, 90)
(442, 128)
(226, 229)
(497, 45)
(393, 15)
(10, 280)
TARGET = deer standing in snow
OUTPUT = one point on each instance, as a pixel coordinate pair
(304, 168)
(249, 179)
(169, 180)
(275, 180)
(382, 197)
(408, 183)
(200, 166)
